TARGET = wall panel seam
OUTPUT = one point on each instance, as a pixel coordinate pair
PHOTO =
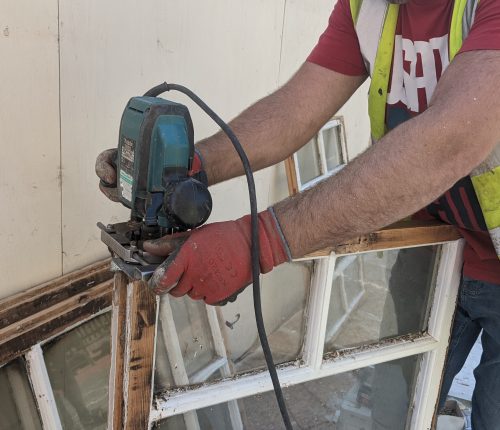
(60, 134)
(281, 43)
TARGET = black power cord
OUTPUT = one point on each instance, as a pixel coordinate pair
(156, 91)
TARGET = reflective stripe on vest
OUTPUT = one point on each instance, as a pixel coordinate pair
(375, 23)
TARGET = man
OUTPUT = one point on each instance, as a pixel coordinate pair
(440, 127)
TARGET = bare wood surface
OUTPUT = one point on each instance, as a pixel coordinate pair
(40, 318)
(139, 358)
(291, 176)
(118, 333)
(399, 235)
(57, 324)
(22, 305)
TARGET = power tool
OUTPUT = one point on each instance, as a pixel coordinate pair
(154, 158)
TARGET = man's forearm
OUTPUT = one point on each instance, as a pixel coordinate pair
(279, 124)
(261, 131)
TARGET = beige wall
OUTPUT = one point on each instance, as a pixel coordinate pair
(62, 100)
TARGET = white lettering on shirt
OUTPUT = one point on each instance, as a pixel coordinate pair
(405, 82)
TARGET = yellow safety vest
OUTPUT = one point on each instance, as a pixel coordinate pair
(378, 17)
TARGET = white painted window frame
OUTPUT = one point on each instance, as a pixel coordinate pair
(324, 173)
(432, 345)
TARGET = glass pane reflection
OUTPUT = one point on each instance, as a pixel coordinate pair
(17, 404)
(284, 295)
(333, 148)
(78, 364)
(309, 162)
(387, 294)
(371, 398)
(185, 349)
(192, 342)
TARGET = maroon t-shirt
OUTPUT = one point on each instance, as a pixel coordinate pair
(420, 57)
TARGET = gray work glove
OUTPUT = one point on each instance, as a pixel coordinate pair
(105, 168)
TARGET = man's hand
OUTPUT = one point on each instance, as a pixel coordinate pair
(214, 264)
(105, 168)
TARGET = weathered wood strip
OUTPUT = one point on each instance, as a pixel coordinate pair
(139, 364)
(399, 235)
(43, 317)
(23, 342)
(23, 305)
(118, 337)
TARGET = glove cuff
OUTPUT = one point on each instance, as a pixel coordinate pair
(281, 234)
(274, 248)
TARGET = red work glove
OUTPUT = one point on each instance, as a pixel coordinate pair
(214, 263)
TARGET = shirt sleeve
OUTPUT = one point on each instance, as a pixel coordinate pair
(485, 31)
(338, 47)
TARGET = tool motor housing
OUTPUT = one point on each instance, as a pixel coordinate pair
(155, 154)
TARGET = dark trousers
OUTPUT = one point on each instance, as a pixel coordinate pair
(478, 309)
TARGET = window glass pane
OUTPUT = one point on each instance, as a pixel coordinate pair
(284, 296)
(309, 162)
(333, 147)
(184, 343)
(387, 293)
(172, 423)
(78, 364)
(375, 397)
(163, 368)
(372, 398)
(17, 404)
(215, 417)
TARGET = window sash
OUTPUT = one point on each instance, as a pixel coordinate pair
(432, 344)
